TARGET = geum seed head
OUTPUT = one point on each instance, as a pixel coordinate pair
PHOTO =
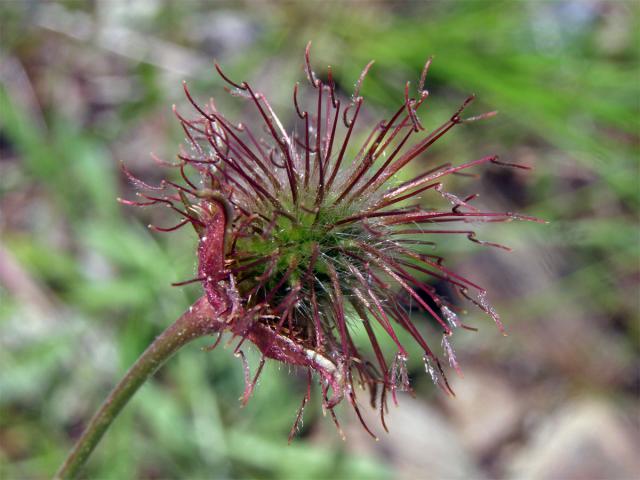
(300, 241)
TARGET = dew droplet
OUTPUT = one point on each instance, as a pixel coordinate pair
(449, 353)
(453, 199)
(430, 369)
(488, 308)
(399, 375)
(450, 316)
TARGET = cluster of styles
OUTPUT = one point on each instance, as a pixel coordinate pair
(301, 242)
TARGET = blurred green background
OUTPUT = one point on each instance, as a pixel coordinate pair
(84, 286)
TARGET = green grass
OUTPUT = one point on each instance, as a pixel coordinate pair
(571, 108)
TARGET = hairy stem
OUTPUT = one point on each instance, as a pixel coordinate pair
(198, 321)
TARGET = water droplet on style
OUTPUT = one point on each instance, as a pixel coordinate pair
(450, 316)
(430, 369)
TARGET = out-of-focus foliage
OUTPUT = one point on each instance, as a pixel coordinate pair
(84, 287)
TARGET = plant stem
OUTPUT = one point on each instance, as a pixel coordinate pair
(198, 321)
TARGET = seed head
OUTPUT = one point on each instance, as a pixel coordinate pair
(302, 242)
